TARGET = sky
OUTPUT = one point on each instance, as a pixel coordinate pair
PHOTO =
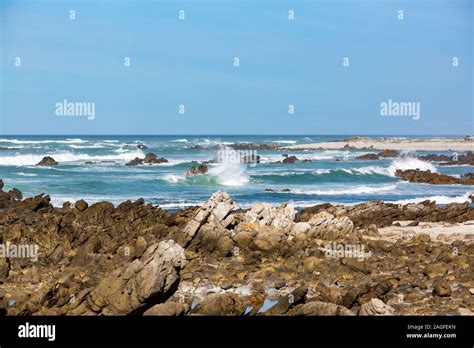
(190, 62)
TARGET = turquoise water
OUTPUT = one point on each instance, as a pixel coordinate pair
(331, 176)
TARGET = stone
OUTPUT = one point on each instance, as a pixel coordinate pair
(47, 161)
(323, 309)
(138, 285)
(81, 205)
(376, 307)
(441, 288)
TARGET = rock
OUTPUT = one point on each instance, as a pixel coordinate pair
(323, 309)
(419, 176)
(201, 169)
(327, 226)
(81, 205)
(445, 160)
(368, 156)
(388, 153)
(284, 304)
(4, 269)
(213, 213)
(47, 161)
(265, 214)
(375, 307)
(310, 264)
(151, 158)
(290, 160)
(220, 304)
(267, 241)
(142, 146)
(15, 194)
(1, 184)
(168, 308)
(138, 285)
(441, 288)
(135, 162)
(252, 159)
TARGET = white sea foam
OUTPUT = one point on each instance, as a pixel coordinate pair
(402, 163)
(229, 174)
(67, 141)
(180, 141)
(358, 190)
(30, 160)
(439, 199)
(285, 141)
(26, 174)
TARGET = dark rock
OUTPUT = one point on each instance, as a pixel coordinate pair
(201, 169)
(134, 162)
(47, 161)
(142, 146)
(81, 205)
(419, 176)
(15, 194)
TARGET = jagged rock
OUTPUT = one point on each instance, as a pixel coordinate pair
(201, 169)
(47, 161)
(375, 307)
(419, 176)
(142, 146)
(81, 205)
(327, 226)
(290, 160)
(135, 162)
(214, 213)
(138, 285)
(15, 194)
(441, 288)
(445, 160)
(151, 158)
(322, 308)
(168, 309)
(368, 156)
(284, 304)
(220, 304)
(265, 214)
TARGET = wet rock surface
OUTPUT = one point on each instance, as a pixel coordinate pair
(427, 177)
(47, 161)
(219, 259)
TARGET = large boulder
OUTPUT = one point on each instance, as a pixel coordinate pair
(139, 285)
(322, 308)
(214, 214)
(375, 307)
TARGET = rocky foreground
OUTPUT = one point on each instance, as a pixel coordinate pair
(136, 259)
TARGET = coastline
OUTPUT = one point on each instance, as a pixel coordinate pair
(390, 144)
(374, 258)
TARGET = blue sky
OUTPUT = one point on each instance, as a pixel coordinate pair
(282, 62)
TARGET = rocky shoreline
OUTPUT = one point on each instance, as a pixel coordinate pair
(372, 258)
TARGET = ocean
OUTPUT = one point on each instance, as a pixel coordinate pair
(329, 176)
